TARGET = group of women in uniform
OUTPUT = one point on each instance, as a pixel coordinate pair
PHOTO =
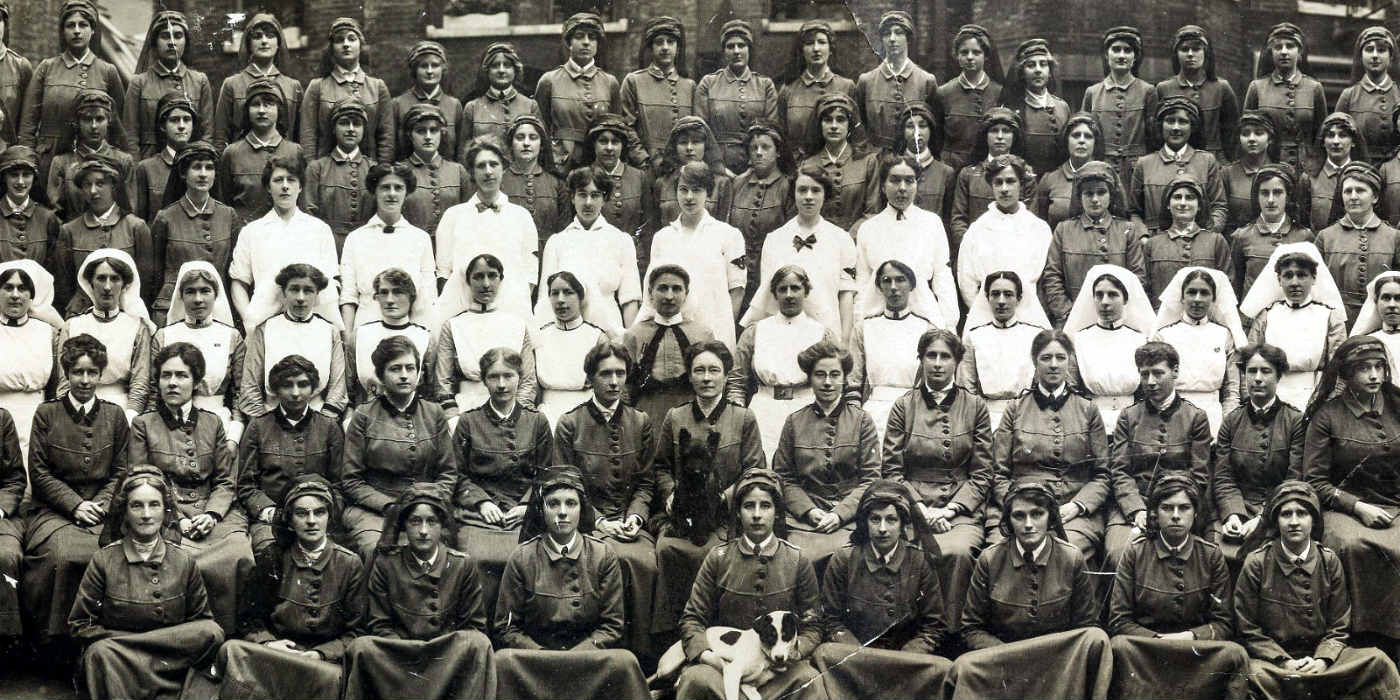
(366, 395)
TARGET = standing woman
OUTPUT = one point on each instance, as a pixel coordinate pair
(1297, 308)
(497, 98)
(1001, 330)
(160, 69)
(884, 344)
(1373, 95)
(571, 96)
(387, 241)
(191, 226)
(1258, 146)
(597, 253)
(427, 66)
(1030, 90)
(200, 316)
(1000, 135)
(260, 52)
(608, 139)
(1342, 143)
(1183, 241)
(762, 196)
(45, 124)
(833, 143)
(103, 222)
(1199, 316)
(561, 345)
(30, 372)
(439, 183)
(341, 76)
(189, 446)
(883, 93)
(1123, 100)
(691, 141)
(1359, 245)
(15, 74)
(531, 179)
(1293, 99)
(660, 378)
(811, 71)
(1274, 203)
(1005, 237)
(1110, 318)
(29, 227)
(1193, 62)
(142, 637)
(473, 323)
(966, 99)
(1178, 120)
(243, 163)
(655, 96)
(1079, 141)
(297, 330)
(119, 319)
(734, 97)
(177, 123)
(918, 127)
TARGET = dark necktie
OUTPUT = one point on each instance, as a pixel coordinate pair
(482, 206)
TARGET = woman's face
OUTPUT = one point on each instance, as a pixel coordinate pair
(1273, 199)
(98, 190)
(736, 53)
(1108, 301)
(809, 195)
(1176, 128)
(178, 126)
(1368, 376)
(791, 294)
(609, 379)
(895, 41)
(561, 513)
(1260, 379)
(15, 298)
(1295, 523)
(1030, 522)
(895, 286)
(1036, 73)
(917, 132)
(970, 56)
(1337, 141)
(1375, 56)
(827, 380)
(1184, 205)
(668, 294)
(1095, 197)
(525, 144)
(885, 527)
(400, 377)
(1158, 381)
(486, 171)
(1051, 364)
(1387, 302)
(1176, 515)
(427, 72)
(1197, 297)
(199, 177)
(1297, 283)
(564, 300)
(500, 72)
(502, 381)
(424, 529)
(262, 42)
(1003, 298)
(588, 203)
(198, 296)
(1285, 53)
(299, 297)
(663, 50)
(583, 46)
(1191, 54)
(707, 376)
(77, 33)
(758, 513)
(92, 126)
(107, 287)
(1121, 56)
(262, 112)
(691, 198)
(18, 182)
(485, 282)
(607, 147)
(1254, 140)
(294, 393)
(170, 43)
(395, 303)
(690, 146)
(900, 185)
(82, 379)
(176, 382)
(285, 188)
(1006, 189)
(816, 51)
(1000, 137)
(426, 135)
(938, 364)
(1357, 198)
(145, 512)
(345, 48)
(349, 129)
(836, 127)
(389, 195)
(763, 154)
(310, 518)
(1080, 143)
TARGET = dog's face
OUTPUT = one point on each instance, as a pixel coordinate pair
(778, 633)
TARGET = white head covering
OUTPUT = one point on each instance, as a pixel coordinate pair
(1028, 310)
(871, 302)
(221, 312)
(457, 293)
(1137, 308)
(41, 307)
(1266, 290)
(1224, 310)
(1369, 320)
(130, 300)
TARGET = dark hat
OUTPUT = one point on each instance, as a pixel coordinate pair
(1131, 35)
(887, 492)
(96, 165)
(419, 493)
(583, 20)
(1295, 490)
(614, 123)
(736, 27)
(1365, 172)
(663, 25)
(113, 528)
(350, 105)
(195, 150)
(165, 17)
(1033, 490)
(1283, 171)
(5, 9)
(972, 30)
(346, 24)
(90, 98)
(1031, 48)
(1188, 181)
(758, 475)
(1365, 347)
(1286, 30)
(1182, 102)
(426, 48)
(1188, 33)
(898, 18)
(1341, 119)
(1375, 33)
(836, 99)
(1254, 117)
(420, 112)
(84, 7)
(309, 485)
(531, 119)
(18, 157)
(501, 48)
(172, 101)
(546, 481)
(1096, 170)
(816, 25)
(265, 86)
(1001, 115)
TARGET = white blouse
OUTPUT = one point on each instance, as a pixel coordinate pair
(830, 264)
(559, 354)
(999, 241)
(886, 350)
(217, 341)
(997, 363)
(1206, 350)
(369, 251)
(367, 338)
(29, 356)
(604, 260)
(919, 241)
(1105, 357)
(712, 255)
(267, 245)
(509, 234)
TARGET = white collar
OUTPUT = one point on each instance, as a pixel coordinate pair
(759, 546)
(1178, 548)
(561, 549)
(669, 320)
(607, 411)
(500, 415)
(1038, 549)
(1266, 406)
(1057, 393)
(1295, 556)
(347, 155)
(426, 564)
(571, 325)
(85, 408)
(1170, 399)
(1272, 228)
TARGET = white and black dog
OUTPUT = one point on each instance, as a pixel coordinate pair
(750, 657)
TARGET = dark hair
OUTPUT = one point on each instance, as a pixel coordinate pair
(483, 78)
(479, 144)
(1290, 206)
(328, 54)
(1272, 354)
(668, 269)
(289, 367)
(569, 279)
(797, 60)
(1082, 119)
(696, 174)
(1296, 259)
(489, 261)
(25, 281)
(980, 148)
(77, 347)
(808, 358)
(186, 353)
(396, 277)
(1014, 278)
(1016, 163)
(935, 133)
(579, 178)
(717, 347)
(1112, 279)
(390, 349)
(1044, 338)
(1154, 352)
(302, 271)
(1166, 488)
(140, 475)
(602, 351)
(780, 527)
(816, 173)
(945, 336)
(379, 171)
(118, 266)
(293, 164)
(196, 128)
(1039, 496)
(1202, 275)
(783, 272)
(1197, 137)
(784, 162)
(546, 156)
(504, 355)
(898, 265)
(585, 154)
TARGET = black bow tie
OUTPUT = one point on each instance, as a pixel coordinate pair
(482, 206)
(388, 229)
(798, 242)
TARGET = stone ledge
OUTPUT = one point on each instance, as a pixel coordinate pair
(469, 27)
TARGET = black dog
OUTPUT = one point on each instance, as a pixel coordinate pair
(697, 510)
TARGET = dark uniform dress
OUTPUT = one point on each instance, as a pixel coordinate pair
(1162, 590)
(737, 583)
(730, 104)
(29, 231)
(490, 114)
(195, 457)
(971, 197)
(1041, 129)
(652, 101)
(1355, 255)
(441, 185)
(15, 73)
(559, 622)
(1053, 193)
(757, 207)
(1254, 452)
(425, 631)
(1170, 249)
(543, 194)
(1028, 611)
(660, 380)
(335, 193)
(386, 451)
(1253, 244)
(180, 234)
(1220, 111)
(231, 109)
(882, 95)
(73, 457)
(60, 186)
(145, 191)
(1076, 247)
(857, 180)
(12, 482)
(85, 234)
(1154, 172)
(316, 129)
(238, 178)
(273, 452)
(1239, 205)
(1323, 188)
(569, 98)
(46, 120)
(943, 451)
(1297, 105)
(798, 99)
(884, 624)
(396, 147)
(1124, 113)
(826, 461)
(1147, 444)
(144, 623)
(963, 105)
(143, 96)
(318, 604)
(937, 181)
(1372, 106)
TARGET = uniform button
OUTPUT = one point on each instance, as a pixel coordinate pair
(155, 580)
(156, 595)
(1180, 585)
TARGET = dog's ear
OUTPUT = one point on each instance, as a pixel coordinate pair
(683, 439)
(712, 442)
(767, 633)
(789, 626)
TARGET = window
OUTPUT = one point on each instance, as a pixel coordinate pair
(288, 12)
(802, 10)
(1372, 10)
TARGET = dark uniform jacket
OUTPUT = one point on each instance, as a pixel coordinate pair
(318, 604)
(826, 461)
(194, 456)
(1148, 443)
(408, 602)
(1011, 599)
(387, 450)
(895, 604)
(1160, 591)
(561, 601)
(942, 450)
(497, 457)
(1285, 610)
(737, 583)
(1065, 447)
(1254, 452)
(615, 457)
(274, 451)
(1350, 454)
(120, 593)
(76, 458)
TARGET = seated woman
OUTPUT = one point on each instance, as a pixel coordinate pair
(1170, 613)
(298, 330)
(1297, 647)
(939, 443)
(561, 345)
(472, 323)
(141, 610)
(725, 594)
(1109, 320)
(660, 380)
(1001, 326)
(119, 320)
(12, 484)
(188, 444)
(28, 331)
(77, 455)
(425, 629)
(1055, 435)
(400, 310)
(1020, 618)
(559, 619)
(827, 453)
(703, 447)
(381, 461)
(304, 605)
(884, 343)
(1200, 318)
(200, 315)
(883, 605)
(1379, 316)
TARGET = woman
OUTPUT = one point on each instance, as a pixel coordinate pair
(1109, 320)
(967, 98)
(1179, 122)
(1193, 62)
(1170, 613)
(200, 315)
(189, 446)
(380, 464)
(13, 480)
(884, 345)
(439, 182)
(1372, 91)
(1123, 100)
(1022, 617)
(767, 376)
(1359, 245)
(559, 620)
(661, 91)
(261, 50)
(427, 67)
(571, 96)
(1342, 143)
(30, 372)
(1054, 434)
(690, 142)
(1097, 231)
(1274, 200)
(1200, 318)
(762, 196)
(496, 98)
(162, 68)
(1259, 445)
(177, 123)
(1258, 147)
(243, 162)
(595, 252)
(1299, 648)
(1030, 90)
(660, 378)
(1295, 100)
(733, 97)
(722, 594)
(305, 604)
(704, 445)
(1080, 141)
(883, 92)
(472, 324)
(142, 637)
(811, 72)
(531, 179)
(118, 319)
(833, 143)
(425, 631)
(1379, 316)
(192, 225)
(29, 228)
(917, 140)
(607, 140)
(1000, 135)
(1007, 236)
(73, 479)
(340, 76)
(387, 241)
(103, 222)
(1297, 308)
(560, 347)
(1001, 327)
(298, 330)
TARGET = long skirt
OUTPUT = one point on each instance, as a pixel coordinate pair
(11, 552)
(148, 664)
(1117, 536)
(557, 402)
(678, 561)
(56, 553)
(1368, 556)
(1357, 673)
(818, 546)
(251, 671)
(851, 671)
(490, 547)
(771, 413)
(957, 553)
(362, 530)
(1072, 665)
(603, 674)
(225, 560)
(800, 681)
(656, 403)
(455, 665)
(638, 560)
(1146, 667)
